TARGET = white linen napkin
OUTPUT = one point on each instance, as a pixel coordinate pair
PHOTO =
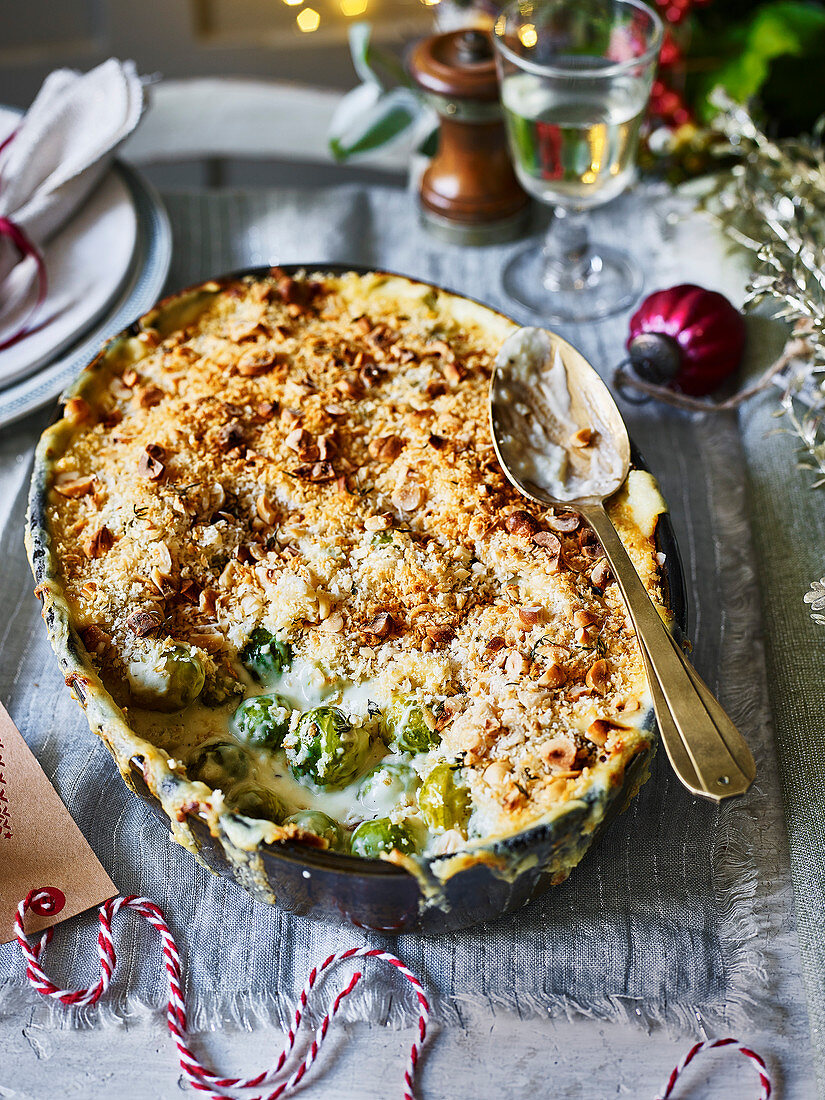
(61, 148)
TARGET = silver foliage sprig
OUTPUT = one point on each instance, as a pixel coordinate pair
(772, 202)
(815, 596)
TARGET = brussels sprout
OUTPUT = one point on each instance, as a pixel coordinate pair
(443, 802)
(171, 683)
(389, 784)
(252, 800)
(221, 764)
(265, 657)
(326, 748)
(371, 838)
(313, 821)
(381, 538)
(262, 720)
(407, 723)
(220, 688)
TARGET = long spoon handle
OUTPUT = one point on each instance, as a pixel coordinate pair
(706, 750)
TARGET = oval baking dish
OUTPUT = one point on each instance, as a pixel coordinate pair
(432, 893)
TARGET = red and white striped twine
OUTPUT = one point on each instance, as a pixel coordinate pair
(198, 1075)
(756, 1061)
(219, 1087)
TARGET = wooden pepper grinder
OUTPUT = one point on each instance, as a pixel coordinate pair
(469, 193)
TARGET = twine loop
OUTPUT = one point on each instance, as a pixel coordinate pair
(755, 1059)
(198, 1076)
(219, 1088)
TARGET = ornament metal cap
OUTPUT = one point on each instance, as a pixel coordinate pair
(655, 357)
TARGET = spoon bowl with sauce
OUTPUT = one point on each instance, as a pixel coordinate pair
(561, 441)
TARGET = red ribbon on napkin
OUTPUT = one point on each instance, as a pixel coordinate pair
(25, 247)
(6, 140)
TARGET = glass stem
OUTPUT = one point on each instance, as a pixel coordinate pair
(568, 262)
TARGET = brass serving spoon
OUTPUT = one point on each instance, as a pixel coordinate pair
(561, 440)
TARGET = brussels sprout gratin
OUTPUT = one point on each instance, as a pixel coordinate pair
(311, 607)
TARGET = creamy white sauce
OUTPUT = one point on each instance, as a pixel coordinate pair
(537, 420)
(272, 771)
(305, 684)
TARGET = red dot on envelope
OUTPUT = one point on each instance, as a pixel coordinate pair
(48, 900)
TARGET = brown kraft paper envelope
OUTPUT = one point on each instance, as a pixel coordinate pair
(40, 844)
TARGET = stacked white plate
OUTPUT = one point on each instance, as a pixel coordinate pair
(105, 268)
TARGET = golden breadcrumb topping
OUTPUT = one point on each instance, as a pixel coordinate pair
(312, 455)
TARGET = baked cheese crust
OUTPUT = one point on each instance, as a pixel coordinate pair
(311, 456)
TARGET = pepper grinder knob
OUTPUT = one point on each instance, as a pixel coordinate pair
(472, 47)
(469, 193)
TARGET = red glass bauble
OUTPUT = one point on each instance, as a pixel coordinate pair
(687, 338)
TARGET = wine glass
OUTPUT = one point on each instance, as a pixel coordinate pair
(575, 80)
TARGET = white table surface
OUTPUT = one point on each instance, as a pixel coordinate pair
(509, 1059)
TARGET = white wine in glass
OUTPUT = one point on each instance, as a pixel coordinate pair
(575, 81)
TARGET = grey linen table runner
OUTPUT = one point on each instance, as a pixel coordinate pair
(670, 919)
(788, 520)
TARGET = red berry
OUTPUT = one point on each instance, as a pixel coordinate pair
(670, 53)
(668, 103)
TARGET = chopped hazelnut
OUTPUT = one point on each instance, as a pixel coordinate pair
(149, 395)
(453, 373)
(298, 439)
(565, 523)
(598, 676)
(584, 619)
(599, 730)
(515, 666)
(333, 624)
(98, 543)
(529, 616)
(552, 677)
(582, 438)
(440, 348)
(407, 497)
(548, 541)
(558, 752)
(378, 523)
(441, 635)
(231, 436)
(257, 361)
(143, 623)
(77, 487)
(496, 773)
(386, 448)
(327, 445)
(76, 410)
(600, 575)
(266, 509)
(150, 464)
(521, 523)
(315, 471)
(190, 591)
(381, 626)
